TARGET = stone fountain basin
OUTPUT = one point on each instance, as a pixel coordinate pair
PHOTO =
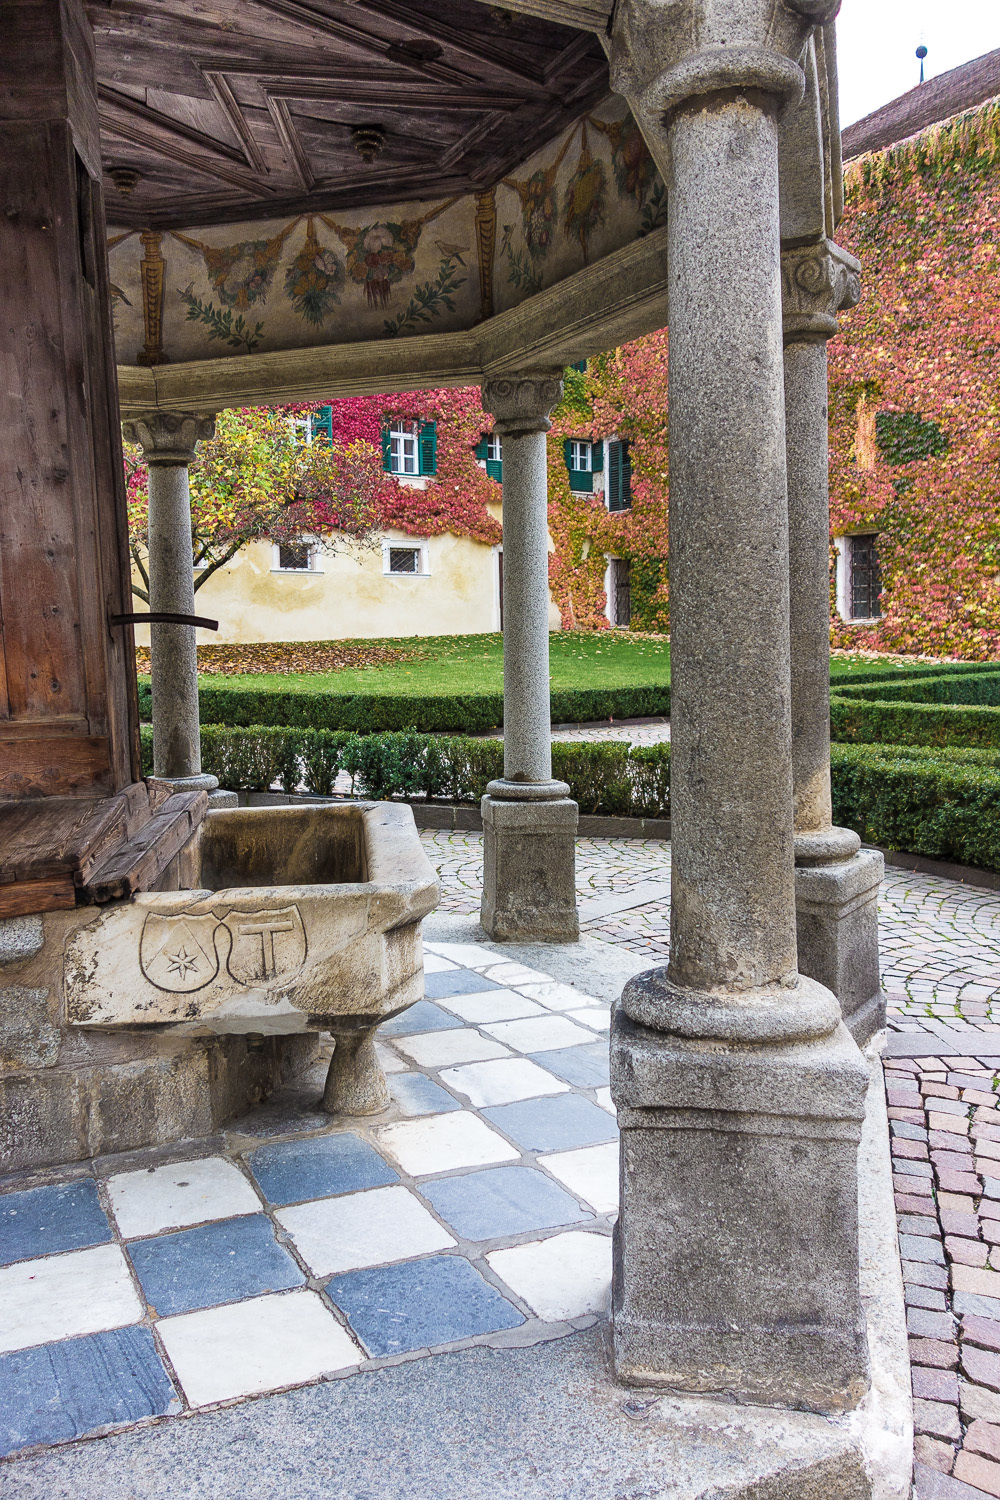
(297, 919)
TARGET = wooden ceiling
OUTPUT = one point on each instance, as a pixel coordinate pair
(249, 109)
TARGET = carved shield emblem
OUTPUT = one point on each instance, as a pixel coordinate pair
(178, 953)
(268, 947)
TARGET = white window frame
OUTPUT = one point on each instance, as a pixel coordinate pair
(303, 426)
(494, 449)
(581, 455)
(406, 544)
(312, 566)
(404, 450)
(842, 546)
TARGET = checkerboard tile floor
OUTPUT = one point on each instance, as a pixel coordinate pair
(478, 1208)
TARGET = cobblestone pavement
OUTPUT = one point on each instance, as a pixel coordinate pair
(940, 944)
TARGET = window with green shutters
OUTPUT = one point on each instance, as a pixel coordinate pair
(619, 485)
(489, 451)
(410, 448)
(584, 459)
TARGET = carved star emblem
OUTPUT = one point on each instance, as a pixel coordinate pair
(180, 962)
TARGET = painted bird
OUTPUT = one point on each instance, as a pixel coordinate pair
(452, 252)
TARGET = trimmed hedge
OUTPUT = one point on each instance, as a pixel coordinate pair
(363, 713)
(937, 805)
(904, 673)
(943, 803)
(873, 722)
(982, 688)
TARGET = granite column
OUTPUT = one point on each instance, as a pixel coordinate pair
(529, 820)
(740, 1094)
(836, 881)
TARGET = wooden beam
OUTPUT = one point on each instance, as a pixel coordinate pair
(295, 155)
(159, 121)
(460, 41)
(389, 95)
(24, 897)
(233, 111)
(116, 122)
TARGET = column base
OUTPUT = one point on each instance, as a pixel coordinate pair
(203, 782)
(836, 908)
(736, 1252)
(529, 868)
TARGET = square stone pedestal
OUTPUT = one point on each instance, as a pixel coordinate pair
(529, 869)
(837, 927)
(736, 1252)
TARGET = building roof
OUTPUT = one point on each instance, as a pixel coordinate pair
(929, 103)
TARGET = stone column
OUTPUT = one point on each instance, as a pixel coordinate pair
(168, 441)
(529, 820)
(836, 882)
(740, 1094)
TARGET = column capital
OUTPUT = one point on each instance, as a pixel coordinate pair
(521, 402)
(817, 282)
(169, 438)
(663, 55)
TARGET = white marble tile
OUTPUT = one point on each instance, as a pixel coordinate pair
(63, 1296)
(503, 1082)
(541, 1034)
(363, 1229)
(590, 1172)
(508, 972)
(562, 1277)
(442, 1143)
(438, 1049)
(435, 964)
(391, 1061)
(465, 955)
(258, 1345)
(594, 1016)
(604, 1099)
(556, 996)
(494, 1005)
(186, 1192)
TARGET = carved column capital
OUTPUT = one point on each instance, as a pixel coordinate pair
(663, 55)
(521, 402)
(817, 282)
(169, 438)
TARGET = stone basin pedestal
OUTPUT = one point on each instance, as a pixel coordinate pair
(290, 919)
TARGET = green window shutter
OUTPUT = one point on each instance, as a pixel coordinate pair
(494, 468)
(567, 456)
(582, 483)
(480, 449)
(428, 448)
(613, 491)
(626, 464)
(580, 366)
(597, 458)
(323, 422)
(386, 451)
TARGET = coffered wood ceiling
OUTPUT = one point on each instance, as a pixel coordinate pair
(244, 109)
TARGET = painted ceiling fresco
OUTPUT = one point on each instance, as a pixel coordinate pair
(398, 270)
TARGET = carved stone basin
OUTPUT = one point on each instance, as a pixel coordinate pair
(297, 919)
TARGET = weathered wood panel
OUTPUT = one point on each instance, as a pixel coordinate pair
(55, 894)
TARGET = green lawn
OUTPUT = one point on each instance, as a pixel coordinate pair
(474, 664)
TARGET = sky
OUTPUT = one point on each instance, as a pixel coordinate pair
(877, 40)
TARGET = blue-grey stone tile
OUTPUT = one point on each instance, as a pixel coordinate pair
(420, 1017)
(457, 982)
(221, 1262)
(420, 1303)
(48, 1220)
(589, 1067)
(60, 1391)
(500, 1201)
(418, 1095)
(554, 1124)
(292, 1171)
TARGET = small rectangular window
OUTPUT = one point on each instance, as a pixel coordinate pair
(404, 559)
(404, 454)
(865, 578)
(580, 456)
(494, 450)
(294, 557)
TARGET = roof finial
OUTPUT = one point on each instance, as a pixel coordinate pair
(921, 53)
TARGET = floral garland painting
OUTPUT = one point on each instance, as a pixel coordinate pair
(314, 280)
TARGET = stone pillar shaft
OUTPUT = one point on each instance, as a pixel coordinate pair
(529, 820)
(527, 737)
(168, 441)
(836, 882)
(732, 917)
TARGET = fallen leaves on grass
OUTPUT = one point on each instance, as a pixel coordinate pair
(288, 657)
